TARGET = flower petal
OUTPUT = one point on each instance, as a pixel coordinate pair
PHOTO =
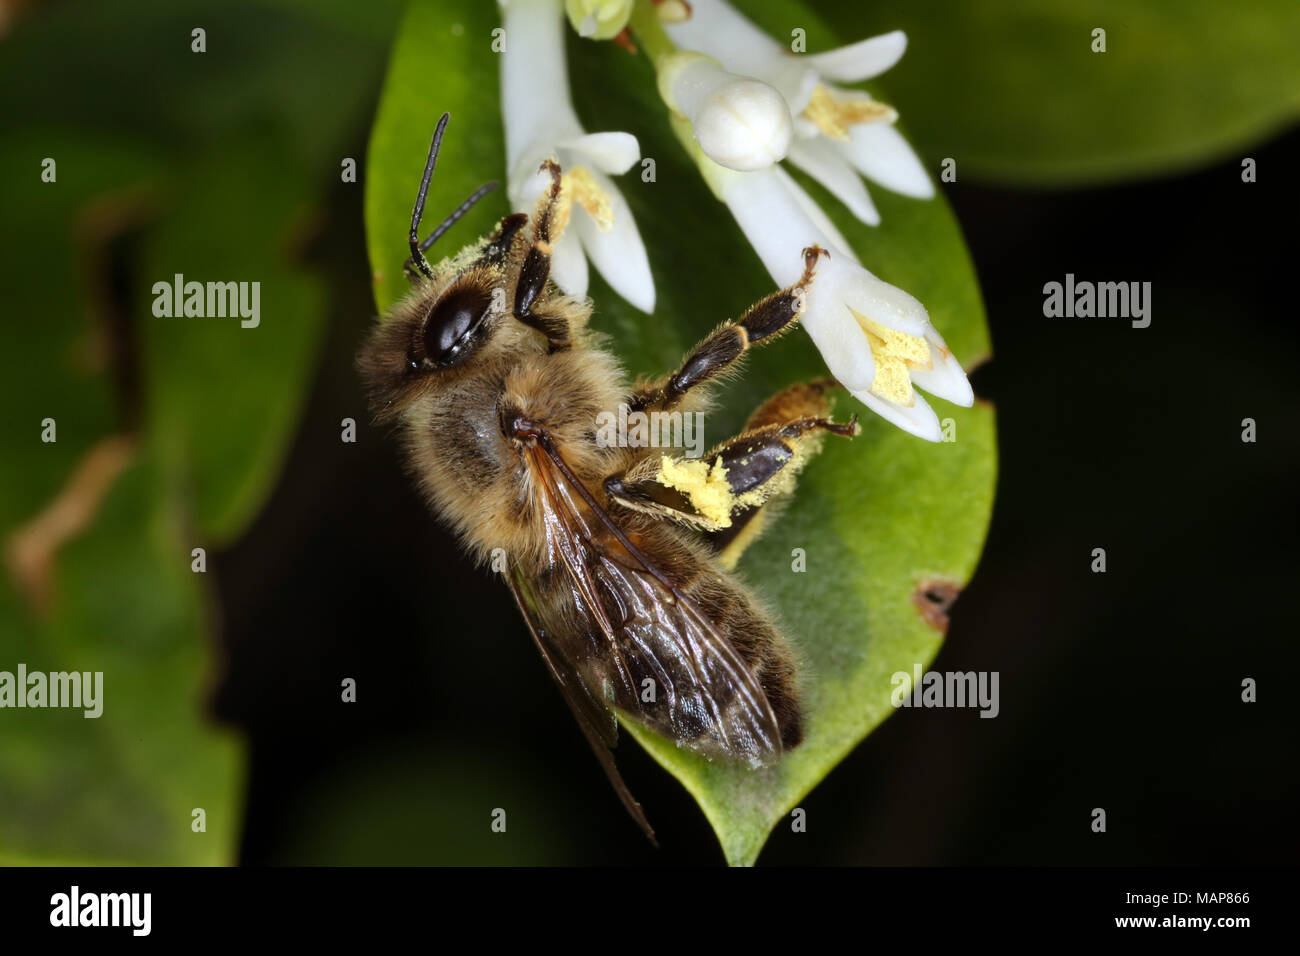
(619, 254)
(817, 215)
(719, 30)
(919, 419)
(880, 153)
(824, 163)
(535, 103)
(609, 152)
(526, 182)
(885, 304)
(771, 218)
(946, 380)
(804, 128)
(861, 60)
(568, 264)
(795, 80)
(837, 335)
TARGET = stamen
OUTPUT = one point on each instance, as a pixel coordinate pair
(577, 184)
(895, 354)
(834, 115)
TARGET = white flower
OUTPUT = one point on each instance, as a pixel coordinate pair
(876, 339)
(598, 19)
(741, 123)
(540, 123)
(839, 133)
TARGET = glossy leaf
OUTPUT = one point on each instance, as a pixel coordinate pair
(877, 518)
(1014, 92)
(168, 161)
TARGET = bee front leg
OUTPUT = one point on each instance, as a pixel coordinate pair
(536, 270)
(727, 343)
(499, 244)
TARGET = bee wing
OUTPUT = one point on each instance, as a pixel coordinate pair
(597, 722)
(638, 642)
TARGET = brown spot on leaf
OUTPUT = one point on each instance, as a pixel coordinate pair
(934, 599)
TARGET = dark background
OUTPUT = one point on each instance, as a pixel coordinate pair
(1119, 690)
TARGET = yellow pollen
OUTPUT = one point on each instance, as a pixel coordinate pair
(706, 486)
(895, 354)
(834, 115)
(579, 185)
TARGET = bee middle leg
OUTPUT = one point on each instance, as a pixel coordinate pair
(725, 492)
(721, 348)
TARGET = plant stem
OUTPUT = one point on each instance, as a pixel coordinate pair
(650, 33)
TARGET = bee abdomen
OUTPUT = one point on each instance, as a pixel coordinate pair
(763, 649)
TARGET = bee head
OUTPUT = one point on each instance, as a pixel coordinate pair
(452, 326)
(450, 313)
(433, 335)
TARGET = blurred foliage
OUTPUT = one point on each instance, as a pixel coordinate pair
(168, 161)
(215, 165)
(1013, 91)
(877, 517)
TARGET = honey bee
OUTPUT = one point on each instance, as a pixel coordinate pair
(619, 558)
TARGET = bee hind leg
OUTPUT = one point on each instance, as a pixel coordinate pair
(796, 403)
(727, 493)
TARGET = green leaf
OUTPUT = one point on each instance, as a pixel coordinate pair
(238, 148)
(168, 161)
(121, 787)
(1014, 92)
(223, 400)
(118, 788)
(878, 518)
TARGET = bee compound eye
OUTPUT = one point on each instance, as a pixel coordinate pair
(451, 320)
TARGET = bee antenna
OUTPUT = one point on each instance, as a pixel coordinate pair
(460, 210)
(417, 256)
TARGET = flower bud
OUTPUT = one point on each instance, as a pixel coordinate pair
(740, 123)
(598, 19)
